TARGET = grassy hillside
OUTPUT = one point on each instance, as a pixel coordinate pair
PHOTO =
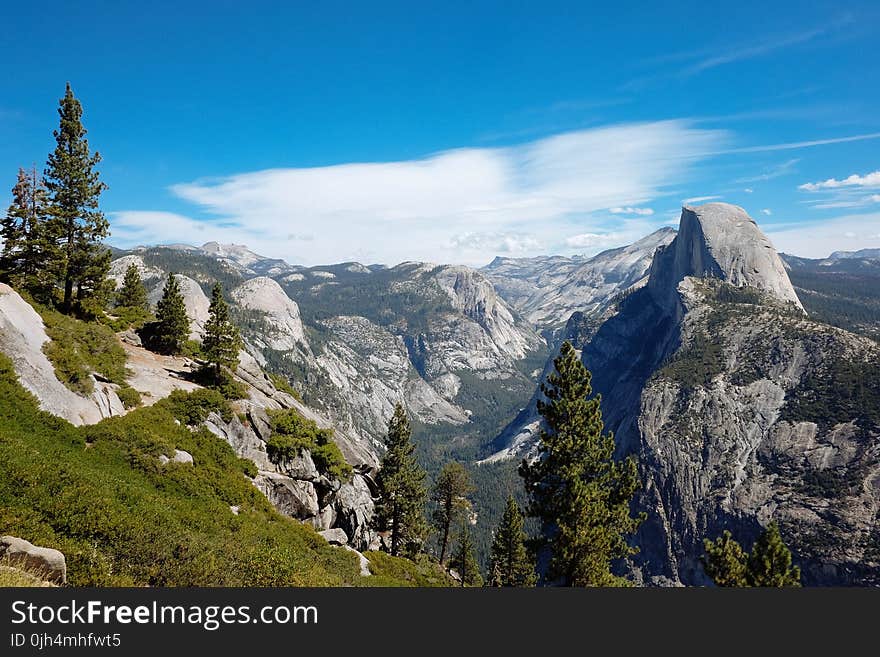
(100, 495)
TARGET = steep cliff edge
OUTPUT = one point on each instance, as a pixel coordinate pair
(741, 409)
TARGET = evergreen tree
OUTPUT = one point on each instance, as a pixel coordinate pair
(27, 251)
(770, 561)
(450, 494)
(725, 562)
(402, 492)
(579, 492)
(510, 564)
(75, 221)
(768, 565)
(171, 328)
(222, 340)
(464, 562)
(132, 294)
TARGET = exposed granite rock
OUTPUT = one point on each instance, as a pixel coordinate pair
(47, 563)
(22, 336)
(283, 325)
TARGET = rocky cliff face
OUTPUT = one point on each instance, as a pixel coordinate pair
(740, 408)
(548, 290)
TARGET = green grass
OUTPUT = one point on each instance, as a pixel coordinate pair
(391, 571)
(78, 349)
(100, 495)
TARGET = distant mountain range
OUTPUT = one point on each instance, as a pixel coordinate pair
(746, 382)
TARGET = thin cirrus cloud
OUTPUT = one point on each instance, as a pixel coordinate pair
(698, 199)
(454, 206)
(776, 171)
(641, 212)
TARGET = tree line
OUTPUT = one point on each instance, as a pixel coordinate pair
(53, 250)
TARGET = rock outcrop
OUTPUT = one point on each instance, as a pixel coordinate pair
(22, 336)
(722, 241)
(283, 329)
(46, 563)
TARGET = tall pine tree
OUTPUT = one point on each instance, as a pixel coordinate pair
(132, 294)
(768, 565)
(579, 492)
(770, 561)
(171, 328)
(402, 493)
(450, 493)
(725, 562)
(222, 340)
(464, 561)
(510, 564)
(27, 250)
(76, 223)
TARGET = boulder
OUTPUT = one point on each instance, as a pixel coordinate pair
(182, 457)
(47, 563)
(354, 511)
(292, 497)
(334, 536)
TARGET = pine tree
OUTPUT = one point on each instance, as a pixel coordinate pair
(509, 563)
(132, 294)
(222, 340)
(770, 561)
(171, 328)
(27, 251)
(768, 565)
(402, 492)
(76, 223)
(464, 562)
(450, 494)
(725, 562)
(579, 492)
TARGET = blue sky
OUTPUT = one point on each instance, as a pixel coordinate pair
(452, 132)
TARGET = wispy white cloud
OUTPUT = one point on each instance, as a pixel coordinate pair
(698, 199)
(798, 144)
(855, 180)
(819, 239)
(642, 212)
(766, 211)
(454, 206)
(748, 190)
(776, 171)
(506, 243)
(595, 241)
(751, 51)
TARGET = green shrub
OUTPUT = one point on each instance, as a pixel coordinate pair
(129, 397)
(292, 433)
(192, 408)
(248, 467)
(78, 349)
(125, 317)
(227, 386)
